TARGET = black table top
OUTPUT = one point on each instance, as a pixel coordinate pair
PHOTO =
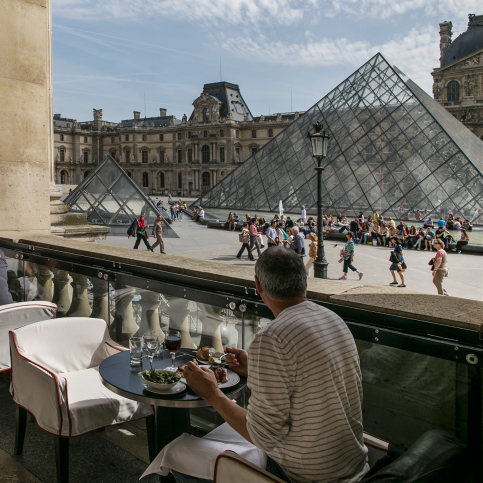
(120, 377)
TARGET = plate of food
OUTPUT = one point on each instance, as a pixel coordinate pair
(224, 377)
(162, 382)
(208, 355)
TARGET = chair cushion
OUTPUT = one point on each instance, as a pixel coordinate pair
(17, 315)
(91, 405)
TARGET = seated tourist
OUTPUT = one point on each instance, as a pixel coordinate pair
(464, 239)
(235, 219)
(375, 231)
(320, 371)
(428, 239)
(419, 238)
(289, 223)
(456, 224)
(441, 234)
(381, 236)
(450, 222)
(228, 220)
(411, 237)
(428, 222)
(467, 225)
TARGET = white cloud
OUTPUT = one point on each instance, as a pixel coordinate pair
(415, 54)
(206, 12)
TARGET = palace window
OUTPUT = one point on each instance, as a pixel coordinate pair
(126, 137)
(254, 133)
(161, 157)
(205, 134)
(254, 150)
(205, 154)
(180, 180)
(113, 154)
(145, 180)
(86, 173)
(453, 91)
(270, 133)
(85, 139)
(222, 155)
(205, 179)
(144, 156)
(237, 133)
(62, 155)
(161, 137)
(189, 134)
(222, 133)
(179, 136)
(237, 154)
(63, 177)
(145, 138)
(190, 155)
(206, 115)
(161, 180)
(180, 156)
(113, 140)
(128, 156)
(61, 137)
(86, 157)
(129, 174)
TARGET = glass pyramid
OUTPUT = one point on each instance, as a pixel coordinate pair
(392, 149)
(110, 197)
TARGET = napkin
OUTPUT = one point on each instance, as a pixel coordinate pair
(196, 456)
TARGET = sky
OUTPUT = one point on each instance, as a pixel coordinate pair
(140, 55)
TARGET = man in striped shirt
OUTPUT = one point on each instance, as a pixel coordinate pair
(305, 381)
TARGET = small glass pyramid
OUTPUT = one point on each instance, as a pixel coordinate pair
(110, 197)
(392, 149)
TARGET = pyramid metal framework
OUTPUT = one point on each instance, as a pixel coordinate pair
(392, 149)
(110, 197)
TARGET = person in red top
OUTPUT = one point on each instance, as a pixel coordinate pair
(254, 238)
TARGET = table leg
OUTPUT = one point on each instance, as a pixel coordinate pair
(170, 423)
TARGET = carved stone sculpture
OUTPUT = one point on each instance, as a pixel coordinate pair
(445, 34)
(97, 114)
(469, 84)
(437, 88)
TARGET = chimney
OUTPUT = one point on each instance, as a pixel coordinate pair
(57, 116)
(137, 115)
(445, 34)
(162, 112)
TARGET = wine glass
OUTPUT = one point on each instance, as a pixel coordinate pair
(150, 346)
(173, 343)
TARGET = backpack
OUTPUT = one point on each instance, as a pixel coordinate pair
(132, 229)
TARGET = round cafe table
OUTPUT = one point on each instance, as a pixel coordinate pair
(172, 411)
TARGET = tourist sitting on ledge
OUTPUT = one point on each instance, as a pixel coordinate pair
(235, 219)
(228, 221)
(467, 225)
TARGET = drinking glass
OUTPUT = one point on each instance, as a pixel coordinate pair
(150, 346)
(173, 343)
(136, 350)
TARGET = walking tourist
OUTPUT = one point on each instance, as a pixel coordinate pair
(397, 262)
(347, 254)
(312, 253)
(298, 242)
(245, 239)
(5, 295)
(277, 419)
(141, 234)
(173, 213)
(158, 234)
(254, 238)
(440, 267)
(464, 239)
(271, 235)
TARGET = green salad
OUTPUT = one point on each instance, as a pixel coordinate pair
(159, 377)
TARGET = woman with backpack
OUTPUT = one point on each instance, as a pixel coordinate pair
(347, 254)
(397, 262)
(141, 234)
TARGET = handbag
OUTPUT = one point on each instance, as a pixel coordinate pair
(243, 238)
(394, 258)
(431, 263)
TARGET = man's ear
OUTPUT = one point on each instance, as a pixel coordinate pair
(258, 286)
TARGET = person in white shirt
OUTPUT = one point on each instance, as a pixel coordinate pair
(303, 214)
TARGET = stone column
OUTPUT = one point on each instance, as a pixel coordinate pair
(80, 303)
(178, 320)
(100, 304)
(210, 331)
(150, 316)
(25, 115)
(62, 292)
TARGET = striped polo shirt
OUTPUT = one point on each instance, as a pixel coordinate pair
(306, 396)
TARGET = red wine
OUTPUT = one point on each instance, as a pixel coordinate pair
(173, 343)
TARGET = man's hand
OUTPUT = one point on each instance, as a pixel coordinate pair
(237, 360)
(201, 380)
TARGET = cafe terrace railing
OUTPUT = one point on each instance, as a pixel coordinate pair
(421, 355)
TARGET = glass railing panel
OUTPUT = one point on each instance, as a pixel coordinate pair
(16, 278)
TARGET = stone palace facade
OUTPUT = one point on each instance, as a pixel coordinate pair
(163, 154)
(458, 82)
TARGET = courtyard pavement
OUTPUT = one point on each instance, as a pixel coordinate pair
(197, 241)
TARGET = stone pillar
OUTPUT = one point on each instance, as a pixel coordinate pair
(445, 35)
(62, 293)
(80, 303)
(25, 115)
(100, 304)
(150, 316)
(178, 320)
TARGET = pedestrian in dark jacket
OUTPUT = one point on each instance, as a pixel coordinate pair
(141, 234)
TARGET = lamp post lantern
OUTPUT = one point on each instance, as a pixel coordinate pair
(319, 142)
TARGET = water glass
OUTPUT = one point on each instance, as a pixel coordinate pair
(136, 350)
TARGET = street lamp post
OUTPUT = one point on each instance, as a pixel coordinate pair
(319, 142)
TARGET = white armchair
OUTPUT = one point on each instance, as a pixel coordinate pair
(55, 377)
(17, 315)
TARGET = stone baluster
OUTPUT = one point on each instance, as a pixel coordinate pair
(150, 302)
(80, 303)
(45, 287)
(178, 320)
(124, 324)
(62, 292)
(100, 304)
(210, 329)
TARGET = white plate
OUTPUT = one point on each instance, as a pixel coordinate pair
(180, 387)
(232, 379)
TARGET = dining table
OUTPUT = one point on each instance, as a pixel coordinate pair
(172, 411)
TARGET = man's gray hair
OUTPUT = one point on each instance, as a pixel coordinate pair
(281, 273)
(295, 230)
